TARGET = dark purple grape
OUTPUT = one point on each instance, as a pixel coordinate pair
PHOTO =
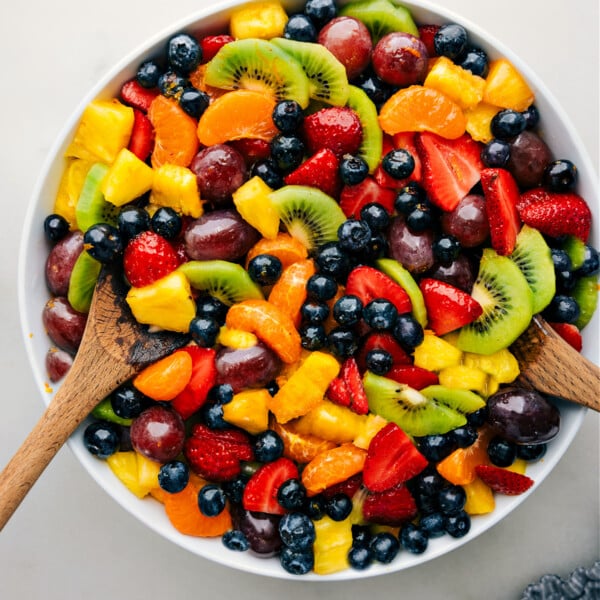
(246, 367)
(458, 273)
(63, 324)
(529, 157)
(523, 416)
(468, 222)
(60, 261)
(58, 362)
(261, 530)
(158, 433)
(413, 250)
(221, 234)
(400, 59)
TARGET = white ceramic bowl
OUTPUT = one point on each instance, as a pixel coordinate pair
(33, 294)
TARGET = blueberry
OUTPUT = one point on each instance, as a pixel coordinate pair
(398, 163)
(446, 249)
(268, 446)
(204, 331)
(433, 524)
(287, 151)
(475, 60)
(173, 476)
(532, 116)
(376, 89)
(338, 507)
(458, 525)
(221, 393)
(211, 307)
(353, 170)
(315, 507)
(429, 482)
(56, 227)
(183, 53)
(148, 73)
(211, 500)
(376, 217)
(343, 342)
(562, 309)
(265, 269)
(314, 312)
(269, 172)
(376, 248)
(333, 261)
(360, 557)
(353, 235)
(385, 547)
(313, 336)
(421, 218)
(477, 418)
(413, 539)
(131, 221)
(291, 494)
(272, 387)
(297, 531)
(194, 102)
(300, 28)
(502, 453)
(560, 176)
(450, 40)
(451, 499)
(101, 439)
(565, 281)
(320, 11)
(408, 332)
(212, 415)
(296, 562)
(128, 402)
(408, 198)
(347, 310)
(464, 436)
(561, 260)
(234, 489)
(321, 287)
(495, 153)
(380, 314)
(591, 262)
(379, 361)
(507, 124)
(436, 447)
(288, 116)
(166, 222)
(234, 539)
(361, 535)
(531, 452)
(103, 242)
(172, 85)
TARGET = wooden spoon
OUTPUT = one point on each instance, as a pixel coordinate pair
(114, 347)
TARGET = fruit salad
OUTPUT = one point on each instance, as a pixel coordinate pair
(350, 216)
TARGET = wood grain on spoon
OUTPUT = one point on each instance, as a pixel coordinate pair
(113, 349)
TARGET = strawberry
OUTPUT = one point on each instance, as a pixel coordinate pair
(336, 128)
(148, 257)
(252, 149)
(216, 454)
(321, 170)
(503, 481)
(382, 340)
(141, 141)
(354, 197)
(557, 214)
(347, 389)
(349, 487)
(211, 44)
(427, 33)
(448, 307)
(406, 141)
(260, 493)
(413, 376)
(204, 376)
(450, 167)
(392, 458)
(570, 333)
(369, 283)
(501, 198)
(139, 97)
(392, 507)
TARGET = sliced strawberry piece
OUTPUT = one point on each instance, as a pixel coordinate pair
(392, 458)
(336, 128)
(147, 258)
(354, 197)
(427, 33)
(211, 44)
(413, 376)
(347, 389)
(204, 376)
(450, 167)
(529, 196)
(321, 171)
(570, 333)
(339, 393)
(557, 214)
(141, 141)
(501, 198)
(216, 454)
(392, 507)
(139, 97)
(382, 340)
(260, 493)
(251, 149)
(349, 487)
(448, 307)
(503, 481)
(369, 283)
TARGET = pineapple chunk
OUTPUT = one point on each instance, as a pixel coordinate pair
(125, 466)
(176, 187)
(519, 466)
(436, 354)
(480, 498)
(254, 205)
(127, 179)
(264, 20)
(236, 338)
(167, 303)
(506, 87)
(69, 189)
(501, 365)
(104, 129)
(147, 472)
(371, 425)
(333, 541)
(248, 410)
(465, 378)
(479, 119)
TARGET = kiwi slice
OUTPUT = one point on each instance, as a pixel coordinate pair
(227, 281)
(258, 65)
(575, 249)
(533, 256)
(327, 77)
(462, 401)
(309, 215)
(91, 206)
(586, 294)
(372, 137)
(410, 409)
(506, 299)
(381, 17)
(402, 276)
(83, 281)
(106, 412)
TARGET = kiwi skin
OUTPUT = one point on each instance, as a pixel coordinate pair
(372, 140)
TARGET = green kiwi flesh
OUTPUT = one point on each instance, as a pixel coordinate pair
(83, 281)
(533, 256)
(227, 281)
(372, 139)
(105, 412)
(585, 293)
(91, 206)
(309, 215)
(402, 276)
(326, 74)
(381, 17)
(258, 65)
(575, 249)
(462, 401)
(505, 296)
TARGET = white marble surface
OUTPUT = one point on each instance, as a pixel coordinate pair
(69, 540)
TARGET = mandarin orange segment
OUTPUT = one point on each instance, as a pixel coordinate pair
(270, 325)
(289, 293)
(236, 115)
(197, 79)
(176, 141)
(300, 447)
(333, 466)
(166, 378)
(285, 247)
(417, 108)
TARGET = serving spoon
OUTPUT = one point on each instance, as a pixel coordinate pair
(114, 347)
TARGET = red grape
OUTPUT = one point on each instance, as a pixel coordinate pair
(468, 222)
(63, 324)
(247, 367)
(60, 261)
(261, 530)
(458, 273)
(529, 156)
(158, 433)
(58, 362)
(400, 59)
(413, 250)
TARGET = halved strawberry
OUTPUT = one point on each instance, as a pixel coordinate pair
(354, 197)
(204, 376)
(349, 487)
(369, 283)
(570, 333)
(392, 507)
(147, 258)
(211, 44)
(141, 141)
(450, 167)
(501, 198)
(382, 340)
(260, 493)
(392, 458)
(503, 481)
(413, 376)
(448, 308)
(321, 171)
(216, 454)
(139, 97)
(337, 128)
(347, 389)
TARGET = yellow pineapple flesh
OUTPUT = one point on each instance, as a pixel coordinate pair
(176, 187)
(127, 179)
(255, 207)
